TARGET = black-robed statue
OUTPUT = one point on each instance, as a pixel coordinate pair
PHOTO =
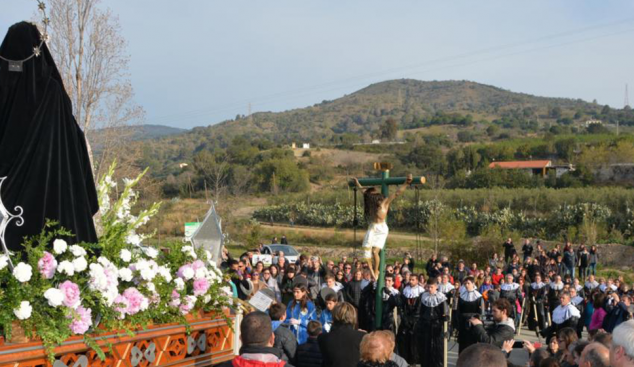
(43, 151)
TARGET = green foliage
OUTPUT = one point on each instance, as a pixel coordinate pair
(440, 220)
(280, 175)
(389, 129)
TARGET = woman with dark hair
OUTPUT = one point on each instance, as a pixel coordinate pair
(341, 346)
(275, 273)
(300, 312)
(596, 322)
(287, 286)
(340, 278)
(271, 283)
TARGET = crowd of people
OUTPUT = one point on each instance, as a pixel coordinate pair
(324, 311)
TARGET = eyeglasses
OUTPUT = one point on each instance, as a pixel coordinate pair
(348, 268)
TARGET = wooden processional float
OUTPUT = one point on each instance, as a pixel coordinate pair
(210, 341)
(207, 340)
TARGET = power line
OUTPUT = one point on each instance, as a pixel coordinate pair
(194, 114)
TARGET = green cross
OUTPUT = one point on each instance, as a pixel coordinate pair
(385, 181)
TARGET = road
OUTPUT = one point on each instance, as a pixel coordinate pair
(329, 231)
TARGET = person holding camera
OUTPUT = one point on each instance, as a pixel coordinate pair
(503, 328)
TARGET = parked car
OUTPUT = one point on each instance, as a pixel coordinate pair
(291, 255)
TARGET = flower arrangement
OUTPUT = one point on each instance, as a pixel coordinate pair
(57, 290)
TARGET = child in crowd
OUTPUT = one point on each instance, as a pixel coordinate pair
(285, 340)
(326, 313)
(309, 354)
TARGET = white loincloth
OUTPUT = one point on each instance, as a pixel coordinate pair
(375, 237)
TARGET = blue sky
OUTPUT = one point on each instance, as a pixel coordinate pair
(199, 62)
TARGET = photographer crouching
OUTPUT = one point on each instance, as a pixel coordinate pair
(503, 327)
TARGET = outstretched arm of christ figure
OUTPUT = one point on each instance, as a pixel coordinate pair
(398, 192)
(356, 182)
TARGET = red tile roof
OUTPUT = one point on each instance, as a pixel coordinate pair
(520, 164)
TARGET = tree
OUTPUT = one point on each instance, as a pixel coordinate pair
(555, 112)
(492, 130)
(389, 129)
(91, 56)
(214, 169)
(281, 174)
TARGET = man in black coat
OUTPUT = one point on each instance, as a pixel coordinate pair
(341, 347)
(527, 250)
(309, 354)
(501, 331)
(509, 250)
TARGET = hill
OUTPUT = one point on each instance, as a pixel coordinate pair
(444, 113)
(407, 101)
(148, 131)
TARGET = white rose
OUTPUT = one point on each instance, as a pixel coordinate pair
(77, 251)
(4, 261)
(151, 252)
(54, 296)
(24, 312)
(80, 264)
(103, 261)
(59, 246)
(23, 272)
(189, 250)
(227, 290)
(180, 284)
(125, 255)
(201, 273)
(66, 267)
(165, 273)
(147, 273)
(151, 287)
(125, 274)
(133, 239)
(188, 273)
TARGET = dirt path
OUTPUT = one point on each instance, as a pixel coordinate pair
(346, 232)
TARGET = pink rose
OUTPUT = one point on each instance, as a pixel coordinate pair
(198, 264)
(137, 301)
(71, 294)
(200, 286)
(47, 265)
(81, 320)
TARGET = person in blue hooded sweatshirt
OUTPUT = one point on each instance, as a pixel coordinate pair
(299, 312)
(326, 313)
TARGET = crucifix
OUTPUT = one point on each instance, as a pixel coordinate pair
(376, 207)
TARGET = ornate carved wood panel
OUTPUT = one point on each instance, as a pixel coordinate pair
(210, 342)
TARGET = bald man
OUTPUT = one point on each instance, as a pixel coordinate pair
(595, 355)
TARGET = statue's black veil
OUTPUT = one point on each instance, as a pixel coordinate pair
(43, 151)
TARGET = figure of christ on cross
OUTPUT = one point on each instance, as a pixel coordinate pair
(375, 208)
